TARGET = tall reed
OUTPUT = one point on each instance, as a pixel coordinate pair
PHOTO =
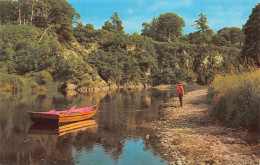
(236, 98)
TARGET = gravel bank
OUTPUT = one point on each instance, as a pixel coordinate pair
(189, 135)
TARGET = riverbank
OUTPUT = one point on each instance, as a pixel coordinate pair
(189, 135)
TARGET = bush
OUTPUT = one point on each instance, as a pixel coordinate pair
(42, 77)
(39, 81)
(236, 97)
(12, 83)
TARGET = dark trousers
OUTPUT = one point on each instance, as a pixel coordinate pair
(180, 98)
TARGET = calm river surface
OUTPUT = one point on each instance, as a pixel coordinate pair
(112, 136)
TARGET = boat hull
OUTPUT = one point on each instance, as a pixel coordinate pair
(62, 116)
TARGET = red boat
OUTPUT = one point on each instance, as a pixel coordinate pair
(66, 116)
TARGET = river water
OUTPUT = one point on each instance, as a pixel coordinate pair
(112, 136)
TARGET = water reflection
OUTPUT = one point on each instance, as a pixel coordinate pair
(63, 129)
(118, 116)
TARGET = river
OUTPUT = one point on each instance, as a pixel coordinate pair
(112, 136)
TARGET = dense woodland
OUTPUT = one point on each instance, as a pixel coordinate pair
(43, 45)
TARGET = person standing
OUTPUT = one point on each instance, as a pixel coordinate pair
(181, 93)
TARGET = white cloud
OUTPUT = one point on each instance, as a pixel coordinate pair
(130, 11)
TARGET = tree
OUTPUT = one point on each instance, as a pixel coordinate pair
(41, 14)
(220, 41)
(201, 24)
(234, 34)
(146, 27)
(172, 24)
(164, 28)
(61, 12)
(8, 12)
(90, 26)
(150, 30)
(251, 48)
(117, 23)
(204, 33)
(108, 26)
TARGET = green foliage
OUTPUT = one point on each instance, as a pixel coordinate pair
(12, 83)
(117, 23)
(234, 34)
(57, 51)
(252, 38)
(21, 52)
(61, 12)
(41, 14)
(167, 27)
(236, 99)
(115, 26)
(170, 23)
(201, 24)
(42, 77)
(220, 41)
(9, 12)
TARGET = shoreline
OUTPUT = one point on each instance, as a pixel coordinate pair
(189, 135)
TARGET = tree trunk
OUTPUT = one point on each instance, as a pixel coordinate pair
(24, 19)
(20, 21)
(32, 12)
(169, 37)
(44, 33)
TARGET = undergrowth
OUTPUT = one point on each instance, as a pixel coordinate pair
(236, 99)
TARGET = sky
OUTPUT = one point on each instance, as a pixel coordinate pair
(220, 13)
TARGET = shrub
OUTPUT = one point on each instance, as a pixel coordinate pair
(42, 77)
(236, 97)
(12, 83)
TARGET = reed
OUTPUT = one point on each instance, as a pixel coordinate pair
(235, 99)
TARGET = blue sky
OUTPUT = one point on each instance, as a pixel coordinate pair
(220, 13)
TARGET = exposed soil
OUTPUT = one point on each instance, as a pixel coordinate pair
(189, 135)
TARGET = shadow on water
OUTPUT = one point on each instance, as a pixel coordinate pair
(112, 136)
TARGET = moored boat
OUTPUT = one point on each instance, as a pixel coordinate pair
(65, 116)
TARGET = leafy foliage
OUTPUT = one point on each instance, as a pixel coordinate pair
(9, 12)
(54, 50)
(234, 34)
(252, 38)
(115, 26)
(201, 24)
(166, 27)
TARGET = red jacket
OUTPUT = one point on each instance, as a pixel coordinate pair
(180, 89)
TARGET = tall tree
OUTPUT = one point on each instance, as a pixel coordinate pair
(146, 28)
(201, 24)
(150, 29)
(164, 28)
(41, 14)
(118, 24)
(204, 33)
(172, 24)
(251, 48)
(61, 12)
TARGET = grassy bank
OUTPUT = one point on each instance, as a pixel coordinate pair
(236, 99)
